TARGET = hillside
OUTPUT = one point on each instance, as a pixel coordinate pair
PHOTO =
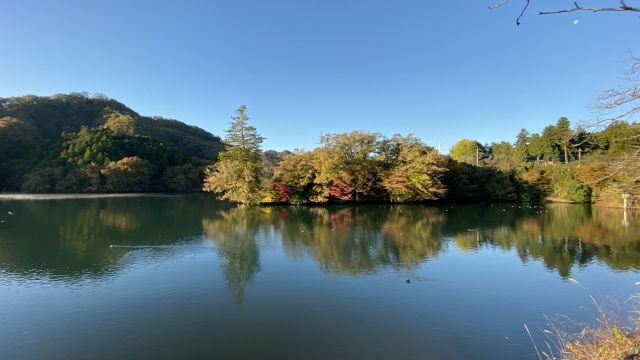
(74, 142)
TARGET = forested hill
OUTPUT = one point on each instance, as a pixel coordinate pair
(80, 143)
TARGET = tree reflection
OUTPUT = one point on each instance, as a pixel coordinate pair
(234, 232)
(561, 236)
(72, 239)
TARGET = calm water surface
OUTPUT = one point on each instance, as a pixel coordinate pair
(189, 277)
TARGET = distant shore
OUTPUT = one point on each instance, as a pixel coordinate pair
(18, 196)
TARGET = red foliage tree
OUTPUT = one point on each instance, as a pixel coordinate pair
(283, 192)
(341, 190)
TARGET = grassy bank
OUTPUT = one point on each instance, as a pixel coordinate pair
(611, 338)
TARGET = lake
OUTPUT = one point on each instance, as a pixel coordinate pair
(168, 277)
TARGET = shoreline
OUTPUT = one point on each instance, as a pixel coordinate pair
(19, 196)
(80, 196)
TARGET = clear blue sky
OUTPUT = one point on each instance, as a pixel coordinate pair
(439, 69)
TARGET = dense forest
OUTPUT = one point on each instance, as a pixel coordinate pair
(81, 143)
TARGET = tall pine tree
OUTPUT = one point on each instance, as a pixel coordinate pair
(237, 174)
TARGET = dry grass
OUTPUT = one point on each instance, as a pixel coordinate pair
(602, 344)
(610, 339)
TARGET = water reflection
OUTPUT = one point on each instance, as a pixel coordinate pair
(563, 236)
(68, 239)
(234, 232)
(358, 240)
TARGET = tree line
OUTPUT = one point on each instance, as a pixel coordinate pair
(82, 143)
(561, 163)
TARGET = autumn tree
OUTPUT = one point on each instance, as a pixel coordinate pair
(130, 174)
(416, 173)
(237, 174)
(297, 172)
(352, 158)
(121, 124)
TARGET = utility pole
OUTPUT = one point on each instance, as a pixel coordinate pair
(579, 155)
(626, 197)
(477, 155)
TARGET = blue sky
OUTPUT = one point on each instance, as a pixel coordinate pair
(441, 70)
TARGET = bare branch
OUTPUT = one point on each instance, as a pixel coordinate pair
(623, 7)
(524, 9)
(503, 2)
(495, 6)
(622, 103)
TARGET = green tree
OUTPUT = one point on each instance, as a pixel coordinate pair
(566, 186)
(564, 136)
(619, 137)
(42, 180)
(521, 148)
(536, 146)
(550, 148)
(467, 151)
(90, 145)
(242, 136)
(523, 138)
(502, 154)
(19, 142)
(182, 178)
